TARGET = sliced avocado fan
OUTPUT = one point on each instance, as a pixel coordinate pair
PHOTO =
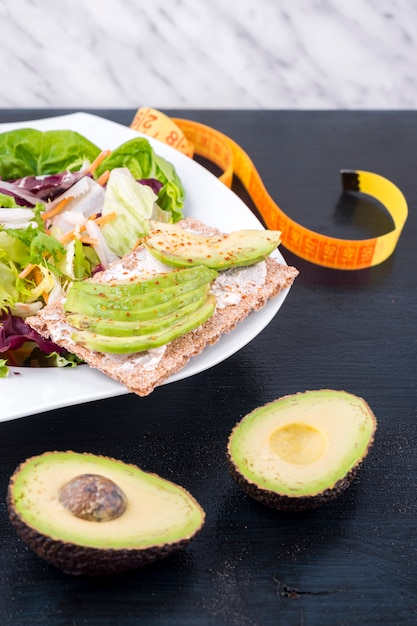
(301, 450)
(134, 316)
(94, 515)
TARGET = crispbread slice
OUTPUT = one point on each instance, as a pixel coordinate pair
(142, 372)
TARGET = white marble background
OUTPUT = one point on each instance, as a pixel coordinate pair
(246, 54)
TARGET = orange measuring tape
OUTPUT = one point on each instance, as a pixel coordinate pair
(349, 254)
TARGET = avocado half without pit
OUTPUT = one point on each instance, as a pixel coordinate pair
(301, 450)
(93, 515)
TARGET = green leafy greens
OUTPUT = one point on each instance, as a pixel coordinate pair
(31, 152)
(138, 156)
(38, 261)
(4, 370)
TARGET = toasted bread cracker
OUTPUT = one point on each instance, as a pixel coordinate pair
(142, 372)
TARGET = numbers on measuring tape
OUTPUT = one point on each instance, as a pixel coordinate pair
(149, 121)
(155, 124)
(172, 138)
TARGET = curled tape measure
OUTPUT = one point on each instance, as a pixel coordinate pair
(349, 254)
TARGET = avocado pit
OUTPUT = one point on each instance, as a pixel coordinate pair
(94, 515)
(93, 497)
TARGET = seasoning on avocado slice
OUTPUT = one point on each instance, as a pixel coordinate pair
(159, 318)
(124, 344)
(135, 287)
(111, 301)
(91, 515)
(177, 247)
(130, 317)
(301, 450)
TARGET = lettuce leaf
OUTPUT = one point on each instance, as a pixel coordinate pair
(84, 260)
(32, 152)
(18, 248)
(13, 248)
(38, 358)
(7, 200)
(139, 157)
(4, 370)
(37, 241)
(9, 291)
(133, 204)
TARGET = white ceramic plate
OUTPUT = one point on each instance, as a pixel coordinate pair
(28, 391)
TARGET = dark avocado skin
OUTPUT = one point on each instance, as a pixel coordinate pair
(287, 503)
(81, 560)
(76, 559)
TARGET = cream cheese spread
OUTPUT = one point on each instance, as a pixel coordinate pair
(229, 288)
(232, 284)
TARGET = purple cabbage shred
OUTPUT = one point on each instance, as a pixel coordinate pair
(14, 332)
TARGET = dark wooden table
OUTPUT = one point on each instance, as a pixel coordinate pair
(353, 561)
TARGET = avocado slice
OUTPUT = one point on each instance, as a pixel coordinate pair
(155, 323)
(301, 450)
(95, 515)
(177, 247)
(141, 315)
(136, 287)
(107, 305)
(139, 343)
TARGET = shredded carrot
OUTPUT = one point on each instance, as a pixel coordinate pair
(105, 218)
(71, 234)
(94, 165)
(102, 180)
(37, 275)
(67, 237)
(92, 241)
(57, 208)
(25, 272)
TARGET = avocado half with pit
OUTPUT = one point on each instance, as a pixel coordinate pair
(91, 515)
(301, 450)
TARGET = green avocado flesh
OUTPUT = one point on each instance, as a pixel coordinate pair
(156, 517)
(81, 299)
(154, 324)
(177, 247)
(139, 314)
(131, 288)
(303, 448)
(114, 318)
(123, 344)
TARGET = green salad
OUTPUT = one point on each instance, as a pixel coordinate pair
(67, 210)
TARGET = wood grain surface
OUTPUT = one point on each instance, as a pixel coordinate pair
(351, 562)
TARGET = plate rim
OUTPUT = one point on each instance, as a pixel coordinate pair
(112, 388)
